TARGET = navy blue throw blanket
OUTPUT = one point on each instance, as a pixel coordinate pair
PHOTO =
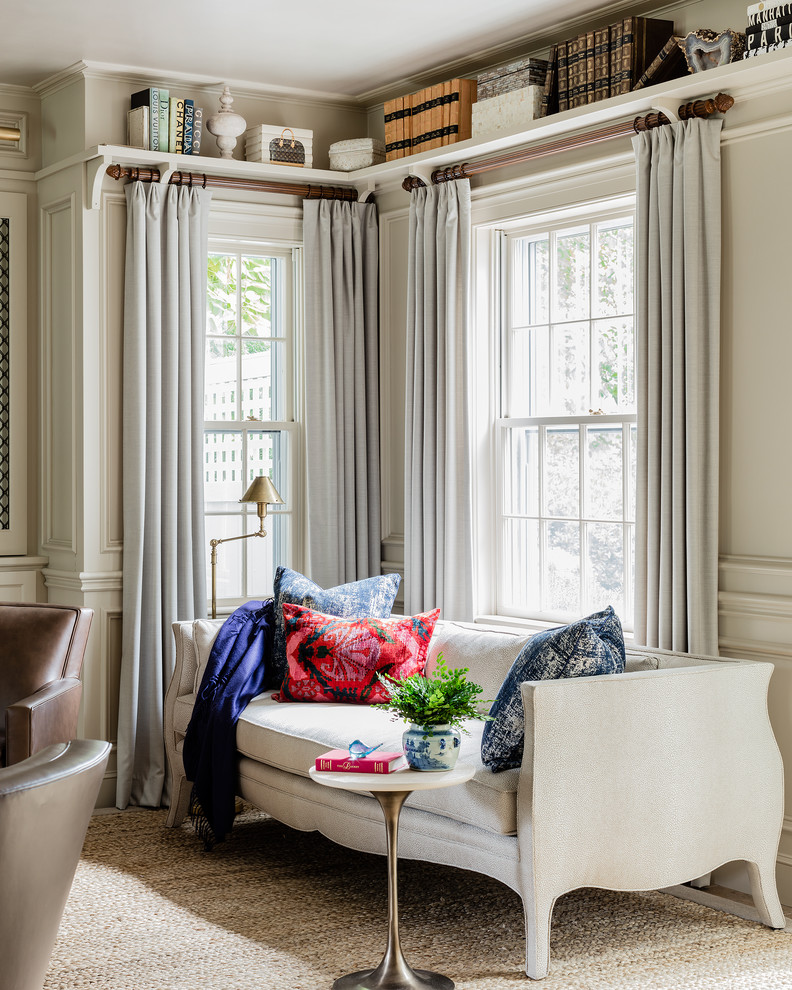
(234, 675)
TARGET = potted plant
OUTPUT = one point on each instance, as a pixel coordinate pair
(436, 707)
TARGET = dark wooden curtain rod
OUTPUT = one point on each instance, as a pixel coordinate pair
(697, 108)
(305, 191)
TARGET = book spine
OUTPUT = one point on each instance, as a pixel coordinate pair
(164, 123)
(601, 65)
(448, 86)
(563, 76)
(549, 90)
(436, 125)
(154, 117)
(573, 75)
(650, 34)
(768, 25)
(197, 130)
(759, 12)
(590, 76)
(773, 36)
(669, 50)
(176, 125)
(625, 56)
(615, 34)
(751, 52)
(467, 97)
(390, 121)
(189, 107)
(417, 121)
(353, 766)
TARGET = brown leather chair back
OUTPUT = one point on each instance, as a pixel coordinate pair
(40, 644)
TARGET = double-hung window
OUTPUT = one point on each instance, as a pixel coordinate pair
(567, 428)
(249, 412)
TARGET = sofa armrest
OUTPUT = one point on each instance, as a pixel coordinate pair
(648, 779)
(45, 717)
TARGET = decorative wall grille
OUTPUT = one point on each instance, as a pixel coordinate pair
(5, 375)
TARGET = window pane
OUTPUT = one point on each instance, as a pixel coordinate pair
(257, 302)
(614, 359)
(268, 454)
(223, 467)
(633, 462)
(562, 567)
(562, 472)
(264, 554)
(604, 493)
(572, 286)
(529, 374)
(570, 388)
(605, 566)
(221, 296)
(530, 280)
(520, 576)
(229, 556)
(521, 462)
(220, 377)
(263, 380)
(614, 295)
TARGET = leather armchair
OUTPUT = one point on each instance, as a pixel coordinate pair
(45, 806)
(41, 655)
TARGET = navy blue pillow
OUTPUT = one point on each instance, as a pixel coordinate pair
(594, 645)
(372, 597)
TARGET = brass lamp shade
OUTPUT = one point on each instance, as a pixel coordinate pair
(262, 490)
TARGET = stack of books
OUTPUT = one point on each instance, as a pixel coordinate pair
(431, 118)
(627, 55)
(769, 28)
(508, 97)
(157, 121)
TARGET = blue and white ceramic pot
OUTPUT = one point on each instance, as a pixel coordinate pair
(431, 747)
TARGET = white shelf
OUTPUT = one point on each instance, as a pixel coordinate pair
(743, 80)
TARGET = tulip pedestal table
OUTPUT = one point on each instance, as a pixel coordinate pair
(391, 790)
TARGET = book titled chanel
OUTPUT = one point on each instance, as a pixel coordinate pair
(338, 759)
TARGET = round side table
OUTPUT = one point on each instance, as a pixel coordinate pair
(391, 790)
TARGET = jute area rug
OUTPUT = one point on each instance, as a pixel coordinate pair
(276, 909)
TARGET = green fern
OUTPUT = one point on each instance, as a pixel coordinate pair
(445, 698)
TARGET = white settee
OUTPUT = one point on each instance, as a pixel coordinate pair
(633, 781)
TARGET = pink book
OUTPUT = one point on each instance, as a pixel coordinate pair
(338, 759)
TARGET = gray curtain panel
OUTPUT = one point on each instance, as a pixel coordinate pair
(438, 535)
(341, 247)
(164, 547)
(678, 242)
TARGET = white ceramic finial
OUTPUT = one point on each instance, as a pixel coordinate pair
(226, 125)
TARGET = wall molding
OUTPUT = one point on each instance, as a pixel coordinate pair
(83, 581)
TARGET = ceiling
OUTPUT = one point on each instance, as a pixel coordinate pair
(345, 47)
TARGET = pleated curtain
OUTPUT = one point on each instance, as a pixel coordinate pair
(164, 569)
(438, 541)
(678, 346)
(341, 246)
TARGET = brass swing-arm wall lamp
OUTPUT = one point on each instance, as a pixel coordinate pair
(263, 493)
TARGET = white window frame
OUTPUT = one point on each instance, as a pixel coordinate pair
(488, 320)
(290, 252)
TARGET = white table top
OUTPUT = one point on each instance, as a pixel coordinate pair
(400, 780)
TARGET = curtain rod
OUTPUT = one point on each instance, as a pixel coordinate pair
(305, 191)
(697, 108)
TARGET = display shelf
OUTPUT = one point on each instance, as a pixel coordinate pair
(743, 80)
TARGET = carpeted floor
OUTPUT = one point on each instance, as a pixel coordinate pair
(274, 909)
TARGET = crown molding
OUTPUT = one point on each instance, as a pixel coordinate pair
(16, 92)
(533, 44)
(141, 76)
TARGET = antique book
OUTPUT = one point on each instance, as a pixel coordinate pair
(616, 33)
(590, 76)
(665, 65)
(601, 64)
(641, 40)
(338, 760)
(436, 117)
(563, 76)
(550, 90)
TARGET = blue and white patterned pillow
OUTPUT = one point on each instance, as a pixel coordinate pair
(594, 645)
(370, 598)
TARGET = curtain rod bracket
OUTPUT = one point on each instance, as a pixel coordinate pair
(666, 107)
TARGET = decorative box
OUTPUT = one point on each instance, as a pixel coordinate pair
(347, 156)
(516, 75)
(507, 112)
(278, 145)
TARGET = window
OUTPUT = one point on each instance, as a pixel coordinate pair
(249, 418)
(567, 428)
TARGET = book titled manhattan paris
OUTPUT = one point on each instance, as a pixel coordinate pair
(338, 759)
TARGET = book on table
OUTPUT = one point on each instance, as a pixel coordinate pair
(338, 760)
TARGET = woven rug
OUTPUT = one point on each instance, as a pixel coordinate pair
(275, 909)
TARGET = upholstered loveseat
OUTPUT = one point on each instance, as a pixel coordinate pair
(633, 781)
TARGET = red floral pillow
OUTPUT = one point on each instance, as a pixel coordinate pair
(332, 659)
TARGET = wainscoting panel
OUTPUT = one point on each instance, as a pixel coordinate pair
(112, 327)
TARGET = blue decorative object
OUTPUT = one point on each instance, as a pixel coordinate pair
(359, 750)
(431, 747)
(372, 597)
(594, 645)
